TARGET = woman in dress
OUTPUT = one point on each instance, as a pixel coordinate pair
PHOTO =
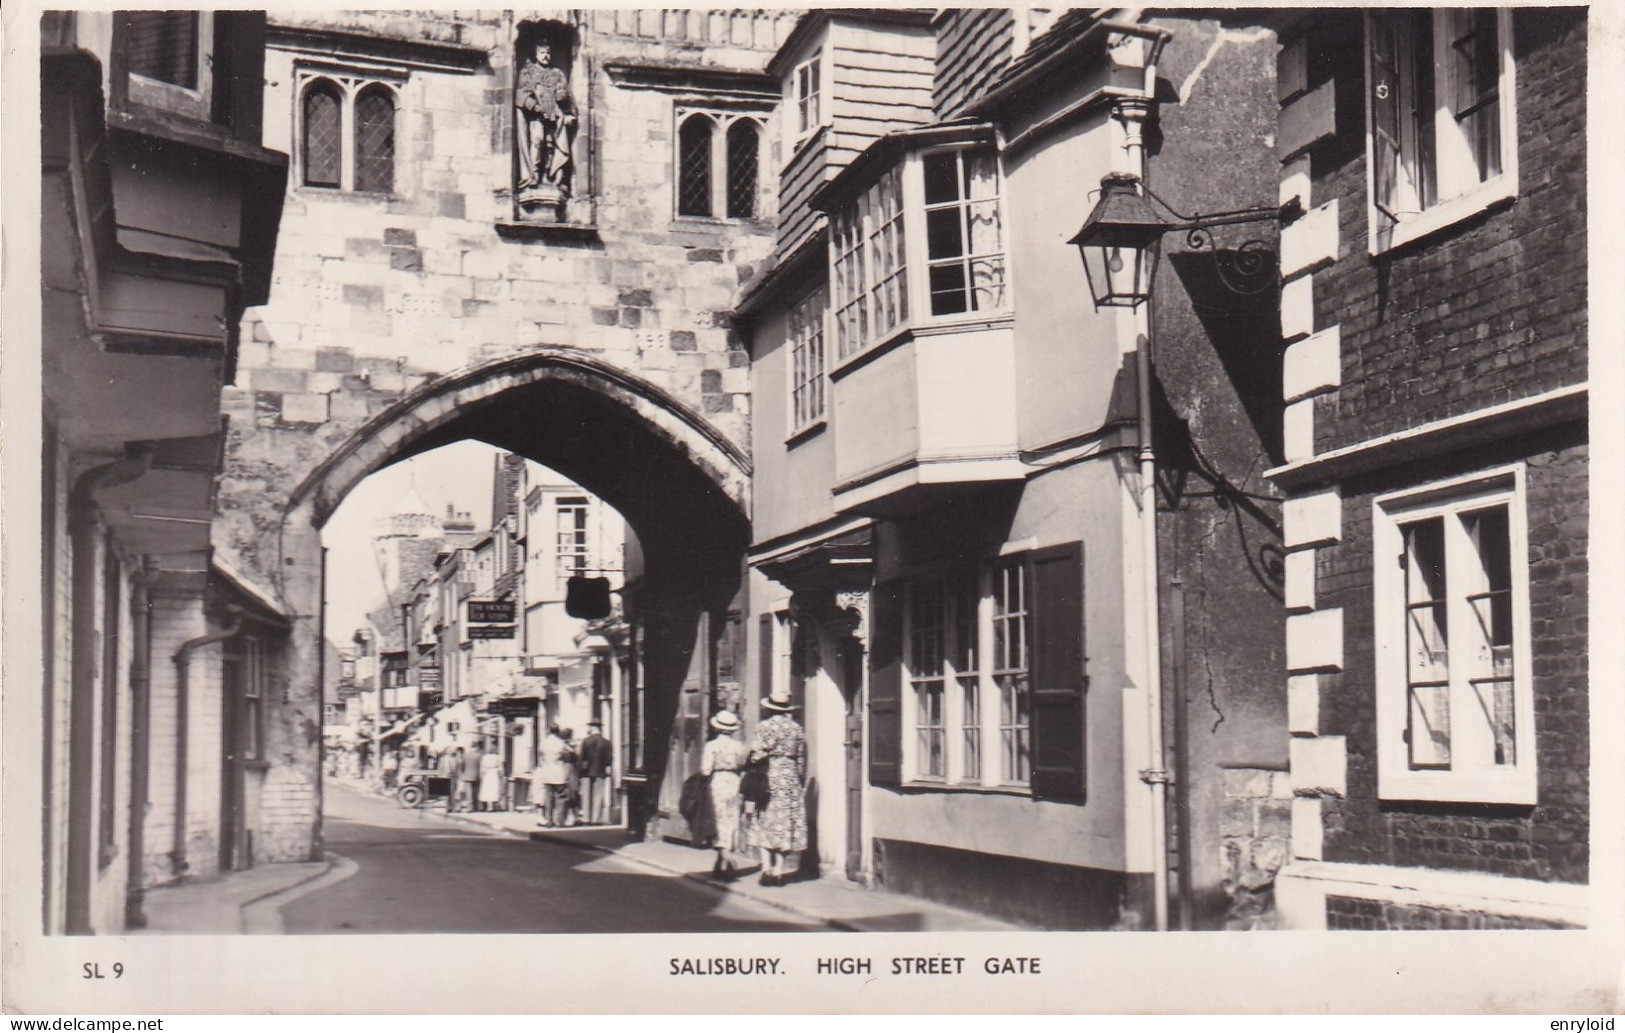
(782, 827)
(490, 780)
(724, 758)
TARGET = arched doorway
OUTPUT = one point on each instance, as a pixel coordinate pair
(680, 485)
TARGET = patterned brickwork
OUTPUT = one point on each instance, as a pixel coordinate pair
(1354, 913)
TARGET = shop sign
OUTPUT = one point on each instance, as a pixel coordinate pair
(485, 631)
(491, 611)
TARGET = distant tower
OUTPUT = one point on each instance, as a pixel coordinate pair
(406, 540)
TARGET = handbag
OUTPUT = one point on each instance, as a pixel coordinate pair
(753, 787)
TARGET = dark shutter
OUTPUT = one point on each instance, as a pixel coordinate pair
(886, 685)
(1058, 679)
(764, 659)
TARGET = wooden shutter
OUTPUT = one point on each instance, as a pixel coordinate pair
(1055, 589)
(765, 658)
(886, 685)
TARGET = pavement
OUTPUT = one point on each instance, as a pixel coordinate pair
(252, 901)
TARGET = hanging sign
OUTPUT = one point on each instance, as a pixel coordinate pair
(491, 611)
(485, 631)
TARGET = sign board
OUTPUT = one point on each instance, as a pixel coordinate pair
(428, 675)
(491, 611)
(484, 631)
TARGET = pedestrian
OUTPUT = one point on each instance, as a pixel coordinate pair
(469, 772)
(597, 759)
(550, 767)
(782, 826)
(452, 766)
(392, 769)
(490, 781)
(723, 759)
(572, 778)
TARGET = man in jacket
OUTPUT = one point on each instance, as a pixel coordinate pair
(468, 782)
(597, 758)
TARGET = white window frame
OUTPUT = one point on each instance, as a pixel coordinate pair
(1459, 193)
(1468, 779)
(962, 679)
(350, 86)
(803, 124)
(721, 122)
(198, 103)
(853, 228)
(580, 549)
(807, 365)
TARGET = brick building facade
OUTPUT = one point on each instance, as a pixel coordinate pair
(1434, 307)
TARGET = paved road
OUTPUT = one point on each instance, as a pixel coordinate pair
(419, 873)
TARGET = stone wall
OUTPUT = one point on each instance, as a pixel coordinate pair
(1356, 913)
(1255, 827)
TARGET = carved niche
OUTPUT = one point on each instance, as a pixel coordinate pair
(550, 111)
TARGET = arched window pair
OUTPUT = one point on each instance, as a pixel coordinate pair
(718, 164)
(347, 135)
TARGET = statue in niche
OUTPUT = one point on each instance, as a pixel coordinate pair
(547, 126)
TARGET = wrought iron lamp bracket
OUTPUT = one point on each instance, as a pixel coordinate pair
(1249, 267)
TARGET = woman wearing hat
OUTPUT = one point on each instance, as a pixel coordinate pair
(782, 827)
(724, 758)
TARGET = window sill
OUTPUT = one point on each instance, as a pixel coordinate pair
(807, 432)
(934, 327)
(920, 785)
(1501, 190)
(1510, 788)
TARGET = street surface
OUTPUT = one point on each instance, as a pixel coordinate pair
(419, 873)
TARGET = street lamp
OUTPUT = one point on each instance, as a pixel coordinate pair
(1122, 237)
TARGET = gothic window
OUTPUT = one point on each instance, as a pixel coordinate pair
(323, 140)
(347, 134)
(375, 140)
(694, 166)
(718, 165)
(744, 146)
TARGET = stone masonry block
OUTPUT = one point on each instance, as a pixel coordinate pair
(1303, 704)
(407, 260)
(366, 295)
(304, 408)
(277, 380)
(1307, 832)
(1300, 580)
(1295, 182)
(1298, 430)
(1312, 519)
(1314, 641)
(1307, 121)
(1297, 308)
(683, 340)
(1292, 70)
(1319, 766)
(1312, 365)
(401, 237)
(335, 360)
(1310, 242)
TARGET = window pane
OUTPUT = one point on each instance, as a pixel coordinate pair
(943, 238)
(375, 141)
(322, 143)
(1490, 600)
(1427, 646)
(694, 167)
(947, 289)
(163, 45)
(742, 164)
(1475, 85)
(941, 177)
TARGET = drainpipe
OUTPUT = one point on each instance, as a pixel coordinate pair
(182, 705)
(82, 698)
(1132, 113)
(140, 746)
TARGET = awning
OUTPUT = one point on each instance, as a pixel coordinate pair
(400, 728)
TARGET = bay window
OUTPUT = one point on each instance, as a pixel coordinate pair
(1442, 131)
(936, 210)
(1455, 707)
(807, 372)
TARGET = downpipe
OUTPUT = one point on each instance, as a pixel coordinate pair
(177, 856)
(135, 893)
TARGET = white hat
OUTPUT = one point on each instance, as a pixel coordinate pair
(779, 701)
(725, 721)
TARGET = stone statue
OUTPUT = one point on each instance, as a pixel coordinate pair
(547, 124)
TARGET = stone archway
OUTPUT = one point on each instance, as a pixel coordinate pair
(681, 484)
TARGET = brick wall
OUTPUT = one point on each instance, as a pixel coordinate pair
(1357, 913)
(174, 620)
(1485, 312)
(1549, 841)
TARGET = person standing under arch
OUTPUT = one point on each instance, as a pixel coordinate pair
(782, 826)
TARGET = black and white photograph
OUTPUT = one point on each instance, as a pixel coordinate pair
(606, 491)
